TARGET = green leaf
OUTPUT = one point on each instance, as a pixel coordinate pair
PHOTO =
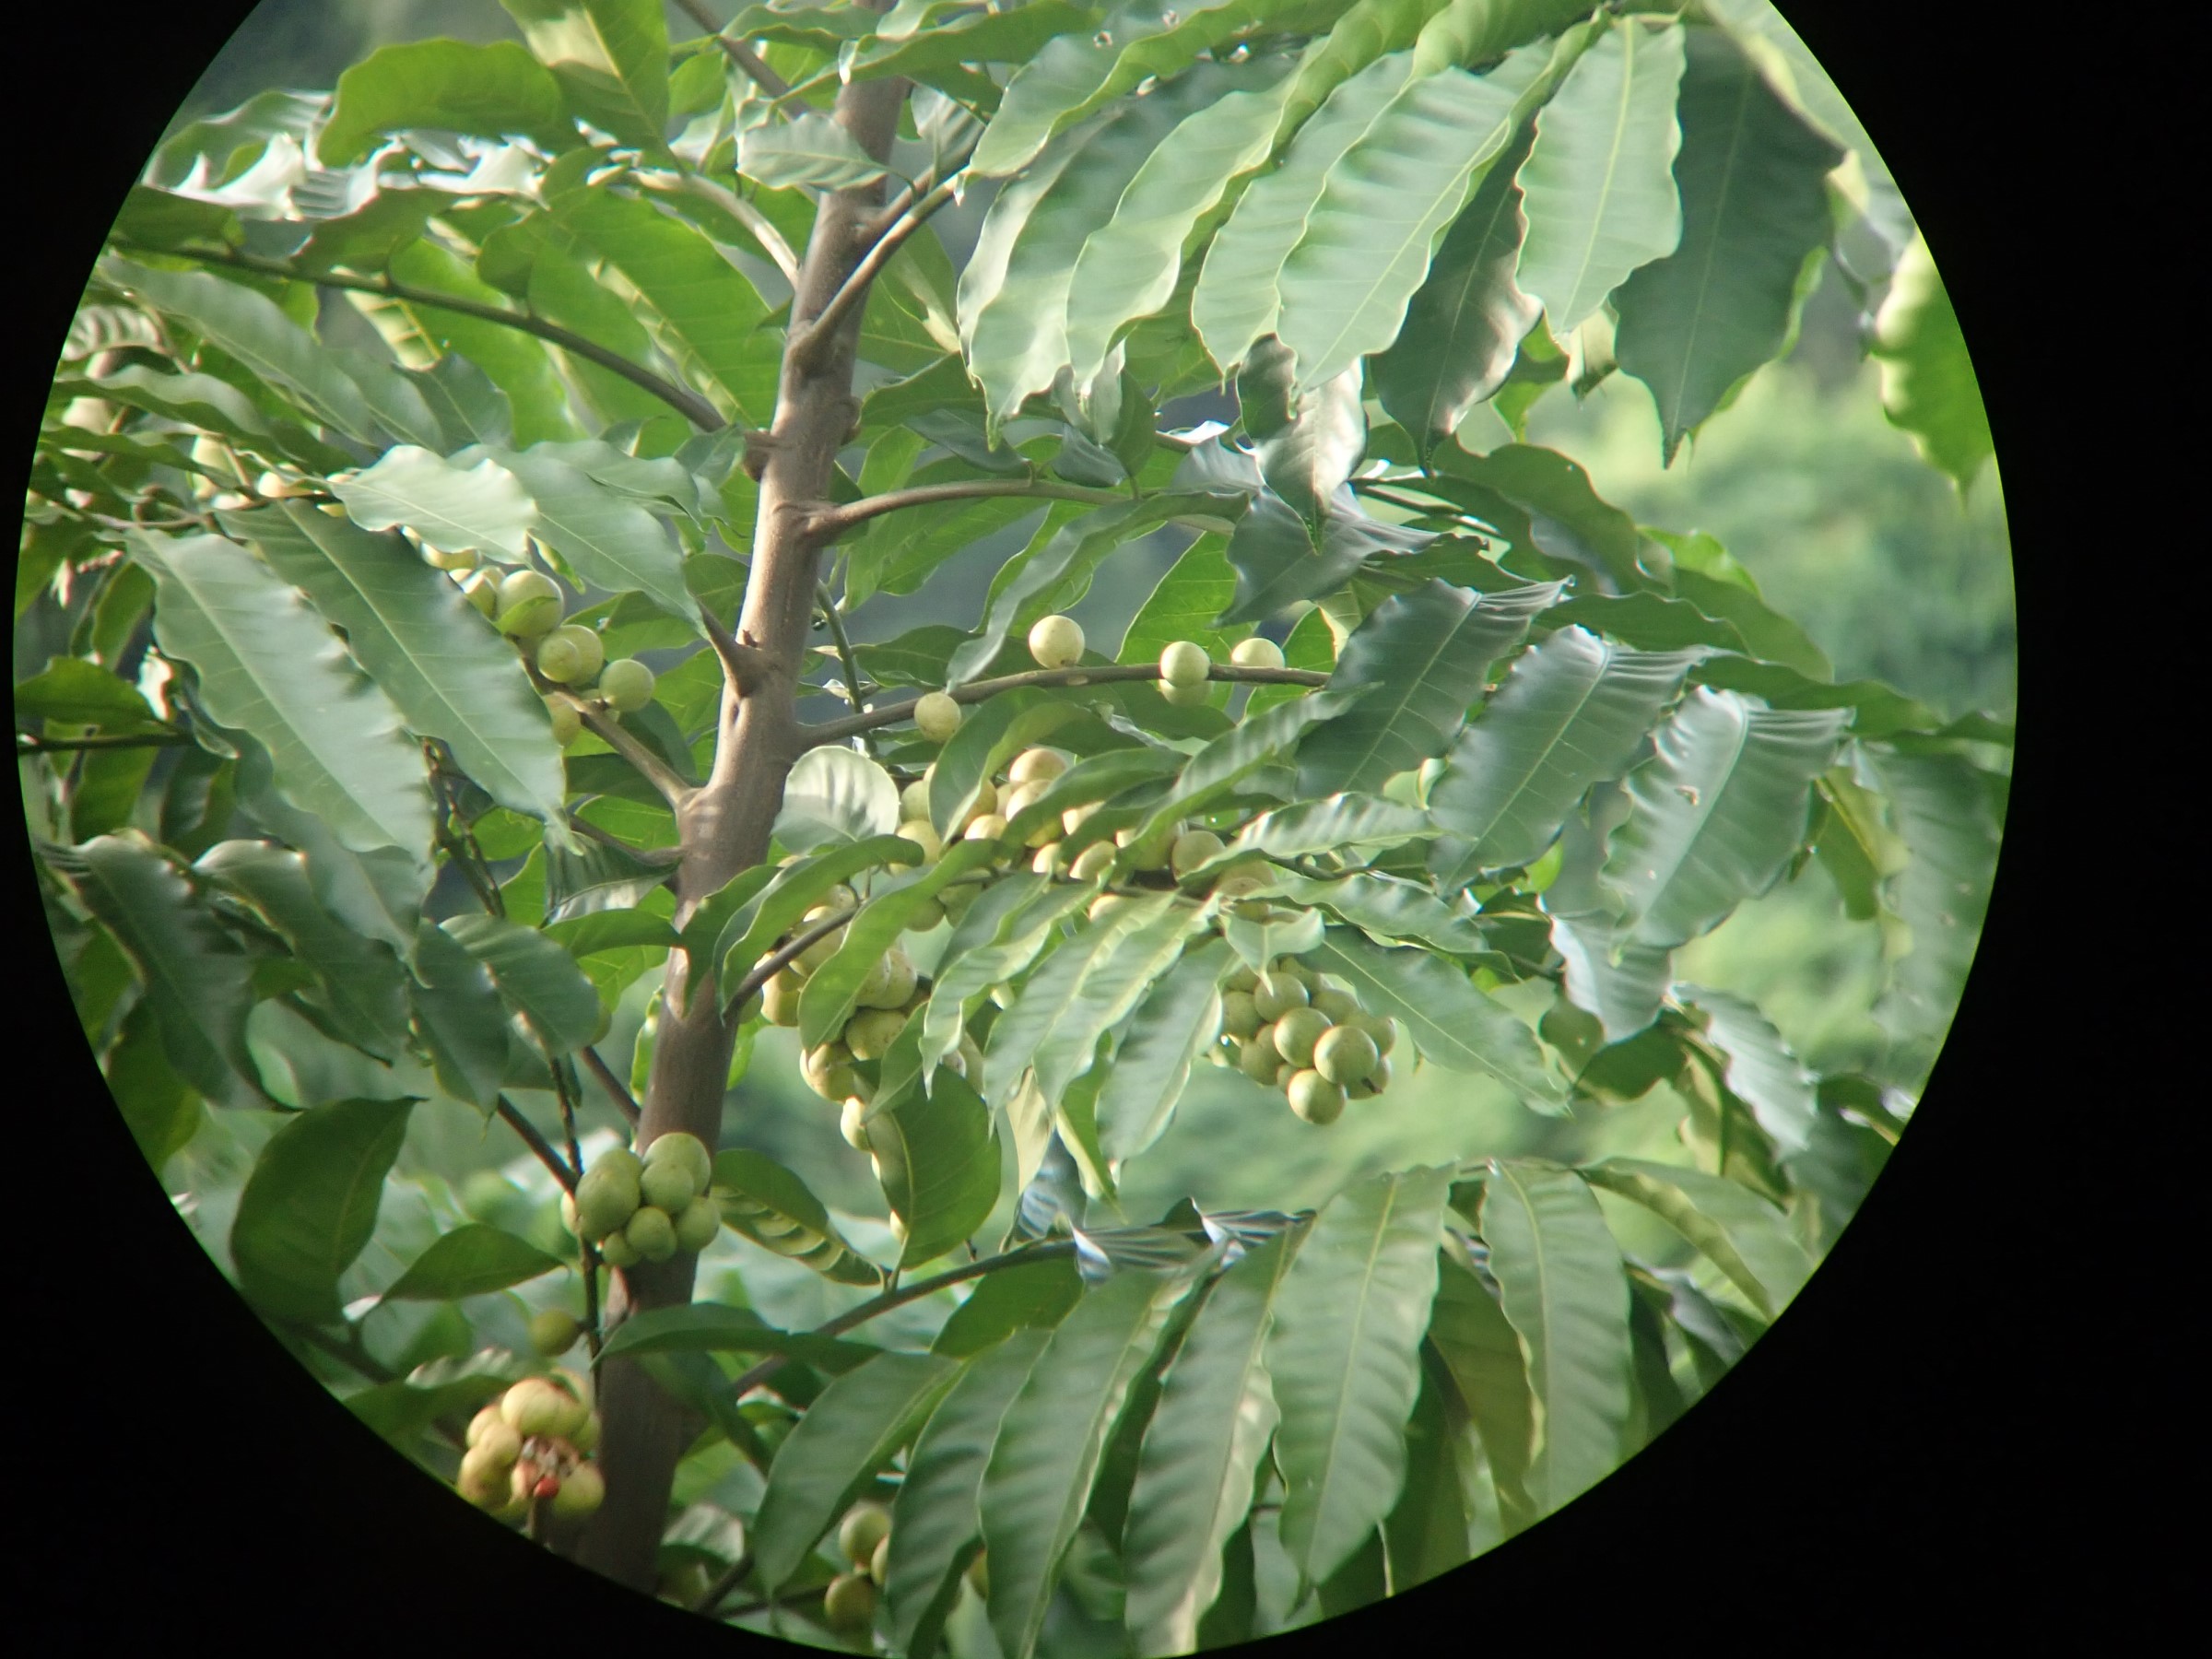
(611, 59)
(611, 930)
(832, 990)
(1306, 440)
(1425, 1534)
(1038, 1481)
(1465, 325)
(1195, 1467)
(1345, 1358)
(1197, 588)
(1747, 1238)
(1323, 826)
(449, 673)
(1424, 656)
(1002, 934)
(519, 365)
(460, 1017)
(1173, 1023)
(401, 1409)
(1762, 1071)
(833, 795)
(992, 734)
(1386, 907)
(1928, 384)
(935, 1517)
(1217, 768)
(1570, 713)
(1718, 811)
(714, 1328)
(536, 976)
(937, 1157)
(609, 540)
(1564, 1289)
(1367, 241)
(163, 1111)
(268, 665)
(834, 1451)
(451, 508)
(1480, 1349)
(1024, 1294)
(1622, 982)
(769, 913)
(472, 1260)
(1597, 187)
(1754, 203)
(809, 149)
(310, 1205)
(1451, 1022)
(1018, 1036)
(1543, 502)
(488, 92)
(71, 691)
(767, 1204)
(197, 983)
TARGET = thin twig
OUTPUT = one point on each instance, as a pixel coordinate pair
(738, 52)
(537, 1143)
(27, 745)
(845, 725)
(686, 401)
(732, 1576)
(612, 1084)
(776, 961)
(826, 522)
(809, 345)
(656, 772)
(844, 652)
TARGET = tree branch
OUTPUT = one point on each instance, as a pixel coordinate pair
(682, 399)
(825, 522)
(744, 665)
(776, 961)
(844, 726)
(844, 648)
(889, 243)
(612, 1084)
(649, 765)
(537, 1143)
(720, 1589)
(738, 51)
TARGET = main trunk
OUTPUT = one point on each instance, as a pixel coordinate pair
(725, 830)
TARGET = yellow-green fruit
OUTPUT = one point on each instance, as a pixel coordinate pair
(534, 1405)
(1046, 861)
(828, 1070)
(988, 826)
(780, 998)
(497, 1441)
(986, 800)
(1185, 697)
(567, 721)
(869, 1034)
(626, 684)
(1072, 819)
(1298, 972)
(571, 654)
(529, 605)
(936, 716)
(483, 1482)
(568, 1213)
(1383, 1029)
(924, 834)
(554, 1332)
(1314, 1097)
(1277, 994)
(1056, 642)
(615, 1251)
(1104, 905)
(1037, 766)
(864, 1526)
(849, 1604)
(1093, 862)
(621, 1157)
(957, 899)
(1192, 848)
(1242, 978)
(482, 590)
(1296, 1033)
(888, 983)
(1239, 1014)
(652, 1233)
(684, 1149)
(581, 1492)
(668, 1186)
(811, 958)
(879, 1563)
(1184, 663)
(605, 1199)
(1345, 1054)
(1149, 853)
(1256, 653)
(1017, 796)
(1375, 1082)
(1257, 1059)
(698, 1222)
(851, 1120)
(913, 801)
(480, 1425)
(1236, 882)
(587, 1433)
(1338, 1005)
(464, 559)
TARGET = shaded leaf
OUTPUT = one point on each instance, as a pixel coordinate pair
(450, 507)
(472, 1260)
(1178, 1017)
(488, 91)
(310, 1204)
(770, 1205)
(937, 1154)
(1928, 384)
(1747, 1238)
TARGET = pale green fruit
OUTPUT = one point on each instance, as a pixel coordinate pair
(1186, 697)
(780, 998)
(615, 1251)
(864, 1526)
(480, 1425)
(957, 899)
(587, 1434)
(1314, 1097)
(849, 1604)
(1345, 1054)
(1239, 1014)
(698, 1222)
(683, 1148)
(1375, 1082)
(1017, 796)
(869, 1034)
(924, 834)
(936, 716)
(987, 826)
(568, 1213)
(619, 1157)
(626, 684)
(572, 655)
(581, 1493)
(851, 1123)
(1277, 994)
(529, 605)
(554, 1332)
(1072, 819)
(828, 1070)
(822, 949)
(986, 800)
(1257, 1059)
(1104, 905)
(1192, 848)
(1298, 972)
(1236, 882)
(1339, 1006)
(1037, 766)
(1242, 978)
(1296, 1033)
(605, 1199)
(668, 1186)
(497, 1442)
(1382, 1029)
(465, 560)
(537, 1406)
(913, 801)
(879, 1563)
(483, 1483)
(888, 983)
(931, 914)
(1184, 663)
(1056, 642)
(652, 1233)
(1093, 862)
(1151, 852)
(482, 590)
(1256, 653)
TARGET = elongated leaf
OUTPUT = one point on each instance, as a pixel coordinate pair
(1038, 1481)
(935, 1518)
(1033, 1293)
(1019, 1033)
(1570, 713)
(768, 912)
(1218, 767)
(1480, 1349)
(459, 1015)
(1762, 1071)
(994, 732)
(472, 1260)
(1752, 177)
(1597, 187)
(1718, 811)
(1623, 982)
(1367, 241)
(1216, 1415)
(481, 506)
(1345, 1358)
(1424, 655)
(536, 976)
(269, 665)
(810, 150)
(1113, 982)
(73, 691)
(379, 894)
(1452, 1023)
(1744, 1236)
(1566, 1293)
(310, 1205)
(715, 1328)
(1386, 907)
(1307, 441)
(490, 90)
(1337, 820)
(996, 940)
(519, 365)
(1543, 500)
(773, 1207)
(1172, 1025)
(937, 1154)
(450, 674)
(835, 1449)
(1928, 385)
(832, 992)
(404, 1407)
(611, 59)
(609, 540)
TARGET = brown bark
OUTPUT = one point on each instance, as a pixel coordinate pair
(725, 825)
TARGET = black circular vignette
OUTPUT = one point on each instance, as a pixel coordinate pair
(1922, 1434)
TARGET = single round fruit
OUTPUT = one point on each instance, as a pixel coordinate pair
(619, 1157)
(1056, 642)
(1186, 697)
(669, 1185)
(1296, 1033)
(529, 605)
(534, 1405)
(888, 983)
(581, 1493)
(870, 1033)
(1256, 653)
(684, 1149)
(780, 998)
(1373, 1084)
(698, 1222)
(615, 1251)
(849, 1604)
(879, 1563)
(1151, 852)
(1236, 882)
(568, 1213)
(986, 800)
(605, 1199)
(1277, 994)
(936, 716)
(1192, 848)
(1258, 1059)
(626, 684)
(1046, 861)
(1239, 1014)
(482, 590)
(652, 1233)
(568, 720)
(828, 1070)
(987, 826)
(924, 834)
(1339, 1006)
(957, 899)
(554, 1332)
(1104, 905)
(1382, 1028)
(864, 1526)
(1345, 1054)
(1184, 663)
(482, 1424)
(1314, 1097)
(499, 1445)
(1093, 862)
(1019, 795)
(587, 1434)
(1242, 978)
(483, 1482)
(1073, 818)
(913, 802)
(572, 655)
(1037, 766)
(852, 1119)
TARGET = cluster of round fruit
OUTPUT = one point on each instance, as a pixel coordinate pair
(525, 605)
(1305, 1033)
(645, 1209)
(864, 1538)
(532, 1446)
